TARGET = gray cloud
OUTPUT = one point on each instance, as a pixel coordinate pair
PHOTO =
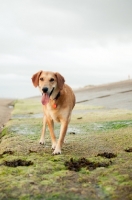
(88, 37)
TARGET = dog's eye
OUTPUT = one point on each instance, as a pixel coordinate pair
(41, 79)
(51, 80)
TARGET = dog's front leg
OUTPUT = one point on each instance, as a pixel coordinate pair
(52, 134)
(42, 139)
(64, 126)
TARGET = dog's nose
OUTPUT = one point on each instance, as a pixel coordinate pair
(45, 89)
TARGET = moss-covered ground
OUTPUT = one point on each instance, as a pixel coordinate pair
(92, 131)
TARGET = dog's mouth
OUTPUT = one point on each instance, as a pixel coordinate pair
(45, 98)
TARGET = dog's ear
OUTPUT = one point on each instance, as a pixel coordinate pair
(60, 80)
(35, 78)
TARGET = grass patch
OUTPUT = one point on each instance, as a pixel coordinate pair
(97, 137)
(110, 125)
(27, 106)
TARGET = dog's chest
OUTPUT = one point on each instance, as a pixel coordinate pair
(53, 113)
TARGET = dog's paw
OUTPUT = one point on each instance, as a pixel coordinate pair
(41, 142)
(56, 152)
(53, 146)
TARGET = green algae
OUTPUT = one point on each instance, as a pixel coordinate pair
(48, 177)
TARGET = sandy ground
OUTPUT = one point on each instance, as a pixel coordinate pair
(110, 96)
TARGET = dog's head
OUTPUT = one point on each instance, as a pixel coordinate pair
(47, 83)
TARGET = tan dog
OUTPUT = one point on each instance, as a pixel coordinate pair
(58, 101)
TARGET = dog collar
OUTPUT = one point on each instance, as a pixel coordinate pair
(51, 91)
(57, 96)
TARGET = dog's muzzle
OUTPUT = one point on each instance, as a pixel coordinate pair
(46, 95)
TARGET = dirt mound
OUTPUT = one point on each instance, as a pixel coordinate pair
(76, 165)
(107, 155)
(128, 149)
(16, 163)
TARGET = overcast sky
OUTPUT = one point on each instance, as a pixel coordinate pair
(87, 41)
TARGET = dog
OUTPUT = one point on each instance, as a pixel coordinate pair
(58, 102)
